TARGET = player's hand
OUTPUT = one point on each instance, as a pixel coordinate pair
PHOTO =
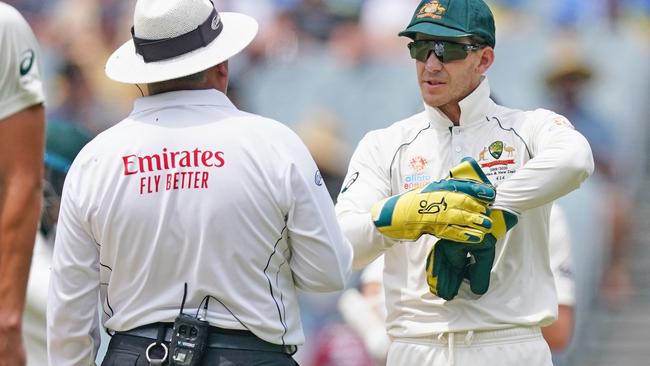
(446, 265)
(451, 209)
(449, 262)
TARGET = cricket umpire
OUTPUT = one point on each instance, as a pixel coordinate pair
(452, 302)
(192, 221)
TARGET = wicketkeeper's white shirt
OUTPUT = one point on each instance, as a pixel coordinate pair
(19, 64)
(560, 248)
(188, 189)
(532, 157)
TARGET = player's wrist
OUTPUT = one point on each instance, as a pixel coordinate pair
(12, 299)
(10, 321)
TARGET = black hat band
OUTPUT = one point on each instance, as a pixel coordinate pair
(166, 48)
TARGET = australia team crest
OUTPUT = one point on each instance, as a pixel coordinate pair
(432, 10)
(496, 149)
(500, 163)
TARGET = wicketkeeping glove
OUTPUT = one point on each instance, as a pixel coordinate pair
(449, 209)
(446, 264)
(449, 262)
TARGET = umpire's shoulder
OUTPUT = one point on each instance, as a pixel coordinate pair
(265, 127)
(267, 136)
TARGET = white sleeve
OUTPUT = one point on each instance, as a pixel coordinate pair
(561, 160)
(321, 256)
(366, 183)
(72, 317)
(19, 70)
(561, 259)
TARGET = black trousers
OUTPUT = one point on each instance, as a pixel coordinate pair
(128, 350)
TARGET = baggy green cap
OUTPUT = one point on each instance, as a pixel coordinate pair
(452, 19)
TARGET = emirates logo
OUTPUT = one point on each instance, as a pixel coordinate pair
(215, 22)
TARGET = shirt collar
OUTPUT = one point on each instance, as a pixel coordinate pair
(210, 97)
(473, 109)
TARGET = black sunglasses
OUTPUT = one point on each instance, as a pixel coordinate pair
(445, 51)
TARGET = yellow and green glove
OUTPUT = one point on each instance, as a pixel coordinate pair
(449, 262)
(451, 209)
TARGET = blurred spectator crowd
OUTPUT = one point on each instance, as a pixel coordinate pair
(335, 69)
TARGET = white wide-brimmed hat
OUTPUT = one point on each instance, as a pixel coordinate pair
(176, 38)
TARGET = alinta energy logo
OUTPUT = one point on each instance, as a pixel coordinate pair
(418, 164)
(419, 179)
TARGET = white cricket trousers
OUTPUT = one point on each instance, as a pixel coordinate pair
(519, 346)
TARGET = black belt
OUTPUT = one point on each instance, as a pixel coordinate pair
(217, 338)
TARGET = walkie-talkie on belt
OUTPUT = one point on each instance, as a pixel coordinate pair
(189, 339)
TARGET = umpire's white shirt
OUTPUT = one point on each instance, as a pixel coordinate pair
(531, 157)
(190, 189)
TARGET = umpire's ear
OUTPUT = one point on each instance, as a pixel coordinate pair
(218, 76)
(222, 69)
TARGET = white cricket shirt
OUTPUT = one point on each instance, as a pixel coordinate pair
(20, 81)
(560, 248)
(188, 189)
(532, 157)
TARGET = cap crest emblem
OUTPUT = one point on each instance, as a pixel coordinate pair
(432, 10)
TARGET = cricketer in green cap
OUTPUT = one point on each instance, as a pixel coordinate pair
(495, 293)
(453, 19)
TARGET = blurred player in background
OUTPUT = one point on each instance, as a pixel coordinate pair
(568, 80)
(444, 307)
(365, 310)
(22, 131)
(63, 142)
(190, 218)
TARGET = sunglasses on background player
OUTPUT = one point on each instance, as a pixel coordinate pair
(445, 51)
